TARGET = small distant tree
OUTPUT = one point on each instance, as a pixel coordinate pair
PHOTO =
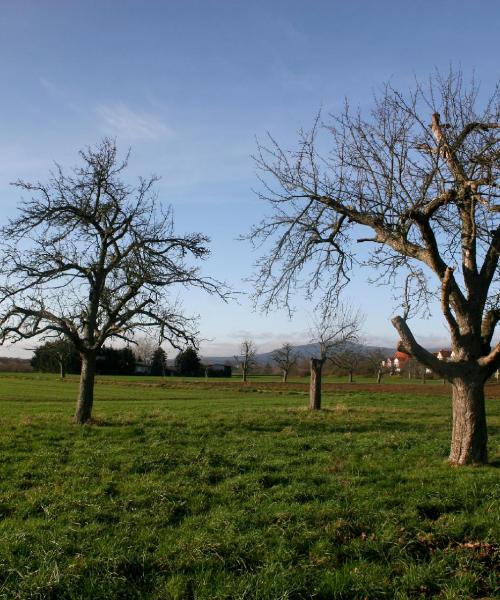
(246, 359)
(285, 358)
(92, 259)
(347, 360)
(373, 360)
(188, 364)
(58, 355)
(144, 348)
(159, 362)
(333, 334)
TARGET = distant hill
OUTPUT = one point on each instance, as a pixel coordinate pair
(304, 351)
(19, 365)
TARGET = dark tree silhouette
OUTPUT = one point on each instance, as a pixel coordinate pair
(159, 362)
(57, 355)
(91, 258)
(421, 173)
(187, 363)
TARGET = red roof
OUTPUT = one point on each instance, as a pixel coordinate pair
(401, 356)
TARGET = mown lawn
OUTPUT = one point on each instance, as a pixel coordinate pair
(199, 490)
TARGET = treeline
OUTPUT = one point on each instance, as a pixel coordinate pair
(61, 356)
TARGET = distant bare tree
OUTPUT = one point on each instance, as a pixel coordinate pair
(91, 258)
(348, 359)
(333, 334)
(420, 174)
(286, 358)
(145, 347)
(374, 359)
(246, 359)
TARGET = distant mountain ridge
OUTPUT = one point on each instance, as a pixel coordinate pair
(304, 351)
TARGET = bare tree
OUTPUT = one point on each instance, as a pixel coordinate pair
(421, 172)
(92, 258)
(286, 358)
(348, 360)
(145, 347)
(246, 359)
(374, 359)
(334, 333)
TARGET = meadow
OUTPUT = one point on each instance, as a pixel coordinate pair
(210, 489)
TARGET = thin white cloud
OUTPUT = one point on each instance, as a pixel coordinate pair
(123, 122)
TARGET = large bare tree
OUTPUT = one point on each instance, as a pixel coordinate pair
(421, 173)
(91, 258)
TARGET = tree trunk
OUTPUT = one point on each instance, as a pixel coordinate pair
(285, 375)
(244, 374)
(350, 376)
(315, 384)
(379, 376)
(469, 435)
(86, 392)
(62, 368)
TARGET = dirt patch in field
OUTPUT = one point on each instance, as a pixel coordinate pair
(431, 388)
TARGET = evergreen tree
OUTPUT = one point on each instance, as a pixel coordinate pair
(159, 362)
(187, 363)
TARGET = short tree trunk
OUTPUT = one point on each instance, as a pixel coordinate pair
(469, 437)
(285, 375)
(315, 384)
(62, 368)
(379, 376)
(350, 377)
(244, 374)
(86, 393)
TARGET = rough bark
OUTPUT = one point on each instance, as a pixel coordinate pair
(244, 374)
(469, 434)
(315, 384)
(379, 376)
(86, 391)
(285, 375)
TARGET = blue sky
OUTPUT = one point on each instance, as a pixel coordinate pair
(190, 84)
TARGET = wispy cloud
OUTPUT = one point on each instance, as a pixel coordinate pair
(121, 121)
(61, 94)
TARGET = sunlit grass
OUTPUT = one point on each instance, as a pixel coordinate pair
(195, 490)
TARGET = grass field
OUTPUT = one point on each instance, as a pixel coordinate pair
(197, 489)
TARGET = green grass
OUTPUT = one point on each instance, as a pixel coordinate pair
(194, 490)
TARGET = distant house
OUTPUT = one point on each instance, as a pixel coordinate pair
(142, 368)
(443, 354)
(396, 363)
